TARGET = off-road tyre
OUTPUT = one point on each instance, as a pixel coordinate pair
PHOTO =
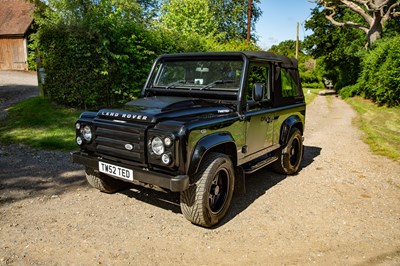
(103, 182)
(290, 156)
(209, 196)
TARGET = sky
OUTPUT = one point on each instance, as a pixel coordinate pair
(279, 19)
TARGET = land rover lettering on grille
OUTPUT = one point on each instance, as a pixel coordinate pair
(125, 115)
(203, 121)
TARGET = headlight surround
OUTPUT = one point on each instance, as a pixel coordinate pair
(87, 133)
(157, 146)
(161, 148)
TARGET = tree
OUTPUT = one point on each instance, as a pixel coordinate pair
(338, 50)
(224, 20)
(150, 8)
(188, 16)
(374, 13)
(287, 48)
(231, 17)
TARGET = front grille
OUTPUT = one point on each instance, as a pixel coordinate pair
(111, 139)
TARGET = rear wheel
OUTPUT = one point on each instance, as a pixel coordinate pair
(103, 182)
(207, 201)
(289, 158)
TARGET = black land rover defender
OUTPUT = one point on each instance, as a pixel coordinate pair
(204, 121)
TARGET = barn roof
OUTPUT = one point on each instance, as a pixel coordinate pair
(15, 17)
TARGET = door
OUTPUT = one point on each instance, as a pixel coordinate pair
(259, 115)
(13, 55)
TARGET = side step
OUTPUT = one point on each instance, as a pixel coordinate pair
(257, 166)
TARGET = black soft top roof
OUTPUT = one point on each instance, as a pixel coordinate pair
(285, 61)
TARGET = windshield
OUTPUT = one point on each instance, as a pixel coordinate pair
(219, 75)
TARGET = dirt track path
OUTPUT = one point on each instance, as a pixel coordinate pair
(342, 208)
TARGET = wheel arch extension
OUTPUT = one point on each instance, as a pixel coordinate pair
(221, 142)
(291, 122)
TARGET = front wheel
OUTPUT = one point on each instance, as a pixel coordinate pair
(289, 158)
(103, 182)
(207, 200)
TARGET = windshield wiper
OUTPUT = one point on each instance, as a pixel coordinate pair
(215, 82)
(173, 84)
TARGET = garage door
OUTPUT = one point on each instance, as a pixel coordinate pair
(12, 54)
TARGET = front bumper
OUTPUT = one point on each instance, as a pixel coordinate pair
(173, 183)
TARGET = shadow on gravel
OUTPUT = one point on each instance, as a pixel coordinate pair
(257, 184)
(12, 94)
(310, 152)
(27, 173)
(167, 201)
(382, 259)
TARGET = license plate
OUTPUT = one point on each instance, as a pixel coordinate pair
(115, 170)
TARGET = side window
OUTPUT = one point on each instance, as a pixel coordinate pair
(258, 73)
(289, 86)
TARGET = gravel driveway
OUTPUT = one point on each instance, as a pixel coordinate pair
(343, 208)
(16, 86)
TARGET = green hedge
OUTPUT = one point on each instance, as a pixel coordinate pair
(380, 77)
(350, 91)
(313, 85)
(89, 68)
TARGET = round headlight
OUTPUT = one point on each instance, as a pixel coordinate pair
(157, 146)
(87, 133)
(166, 158)
(79, 141)
(78, 126)
(168, 141)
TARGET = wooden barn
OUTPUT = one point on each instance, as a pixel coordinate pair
(15, 22)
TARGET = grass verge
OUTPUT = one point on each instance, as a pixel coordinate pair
(381, 126)
(40, 124)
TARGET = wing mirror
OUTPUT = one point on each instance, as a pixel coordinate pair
(258, 91)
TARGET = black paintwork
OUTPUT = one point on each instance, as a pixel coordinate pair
(198, 121)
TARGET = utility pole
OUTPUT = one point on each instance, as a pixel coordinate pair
(249, 13)
(297, 41)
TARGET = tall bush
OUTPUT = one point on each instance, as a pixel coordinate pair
(97, 54)
(380, 77)
(89, 67)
